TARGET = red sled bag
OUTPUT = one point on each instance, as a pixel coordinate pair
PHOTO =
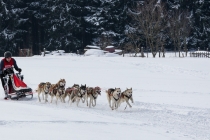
(18, 84)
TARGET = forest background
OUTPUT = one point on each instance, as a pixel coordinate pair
(71, 25)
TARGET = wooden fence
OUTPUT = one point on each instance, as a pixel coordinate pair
(25, 52)
(200, 54)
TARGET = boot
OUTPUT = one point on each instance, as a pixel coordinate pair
(6, 95)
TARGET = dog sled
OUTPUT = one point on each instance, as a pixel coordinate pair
(14, 86)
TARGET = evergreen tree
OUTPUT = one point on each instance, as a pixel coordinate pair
(92, 21)
(113, 24)
(201, 20)
(12, 25)
(64, 22)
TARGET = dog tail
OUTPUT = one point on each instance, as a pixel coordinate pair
(37, 90)
(107, 95)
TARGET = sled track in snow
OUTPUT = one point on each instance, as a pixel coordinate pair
(177, 119)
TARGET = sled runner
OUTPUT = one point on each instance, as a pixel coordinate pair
(14, 86)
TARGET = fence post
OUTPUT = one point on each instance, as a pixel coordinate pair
(44, 52)
(163, 50)
(186, 52)
(159, 52)
(142, 52)
(123, 53)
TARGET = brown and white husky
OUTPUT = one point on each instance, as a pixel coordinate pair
(113, 95)
(92, 94)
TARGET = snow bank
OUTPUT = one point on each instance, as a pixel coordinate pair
(54, 53)
(94, 52)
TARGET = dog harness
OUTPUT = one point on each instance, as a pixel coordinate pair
(94, 96)
(61, 90)
(126, 95)
(115, 98)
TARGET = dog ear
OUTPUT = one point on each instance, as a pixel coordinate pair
(131, 88)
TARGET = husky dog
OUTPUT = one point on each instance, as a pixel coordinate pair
(83, 90)
(76, 85)
(76, 93)
(44, 88)
(58, 90)
(125, 97)
(114, 96)
(92, 93)
(71, 90)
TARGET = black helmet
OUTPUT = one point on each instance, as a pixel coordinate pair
(7, 54)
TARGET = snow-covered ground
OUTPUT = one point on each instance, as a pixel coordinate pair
(171, 100)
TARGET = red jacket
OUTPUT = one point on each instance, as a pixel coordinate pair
(5, 64)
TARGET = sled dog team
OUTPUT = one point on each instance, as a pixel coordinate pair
(76, 93)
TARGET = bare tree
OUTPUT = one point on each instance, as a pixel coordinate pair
(150, 19)
(134, 42)
(104, 41)
(179, 29)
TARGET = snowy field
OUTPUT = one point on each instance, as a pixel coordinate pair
(171, 100)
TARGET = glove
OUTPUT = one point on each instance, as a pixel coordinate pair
(19, 70)
(4, 72)
(8, 71)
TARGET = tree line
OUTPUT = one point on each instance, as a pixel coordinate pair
(70, 25)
